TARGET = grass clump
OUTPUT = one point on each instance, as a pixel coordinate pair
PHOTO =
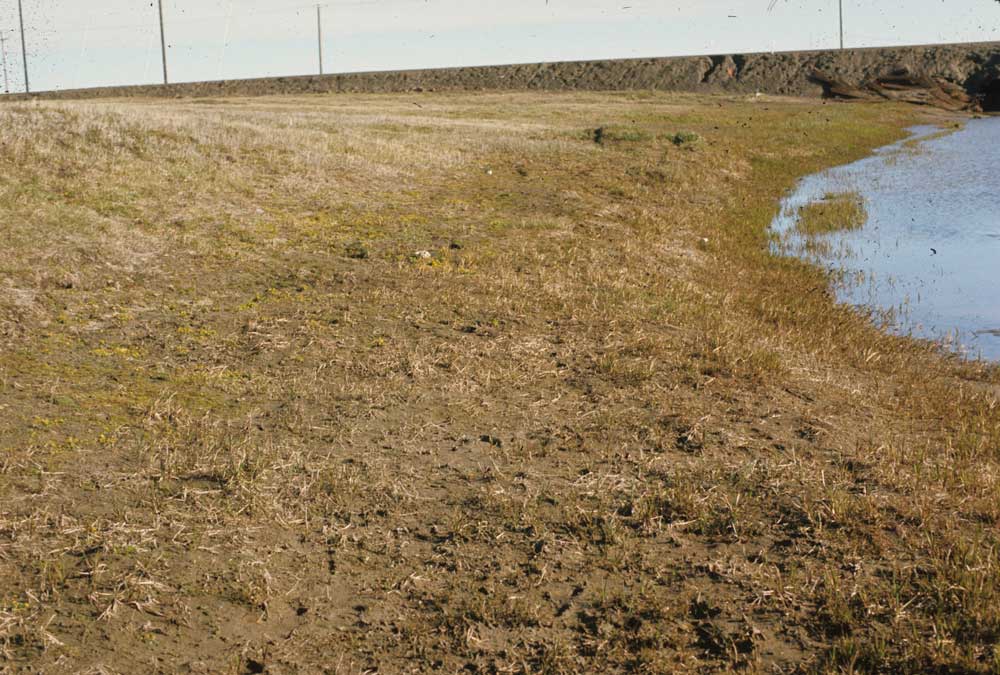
(619, 134)
(685, 138)
(836, 212)
(356, 250)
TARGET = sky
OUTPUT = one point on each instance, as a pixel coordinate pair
(85, 43)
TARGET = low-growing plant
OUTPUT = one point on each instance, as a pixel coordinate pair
(835, 212)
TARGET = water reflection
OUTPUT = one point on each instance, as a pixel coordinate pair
(928, 257)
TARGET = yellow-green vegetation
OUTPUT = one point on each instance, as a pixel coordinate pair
(435, 382)
(916, 144)
(834, 213)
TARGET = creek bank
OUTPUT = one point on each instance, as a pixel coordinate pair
(971, 68)
(923, 263)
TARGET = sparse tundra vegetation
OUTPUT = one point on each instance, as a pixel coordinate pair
(453, 383)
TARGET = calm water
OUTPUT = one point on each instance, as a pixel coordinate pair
(941, 194)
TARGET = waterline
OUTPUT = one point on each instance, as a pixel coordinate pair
(927, 260)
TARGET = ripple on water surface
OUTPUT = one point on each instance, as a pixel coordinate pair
(929, 254)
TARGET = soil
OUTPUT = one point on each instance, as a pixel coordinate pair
(974, 67)
(344, 384)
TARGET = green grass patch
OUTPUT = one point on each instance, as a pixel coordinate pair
(834, 213)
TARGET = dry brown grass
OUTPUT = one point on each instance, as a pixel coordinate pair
(568, 415)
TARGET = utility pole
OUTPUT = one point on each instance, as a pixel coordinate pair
(841, 24)
(24, 48)
(319, 35)
(3, 57)
(163, 44)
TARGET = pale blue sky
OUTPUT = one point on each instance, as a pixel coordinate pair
(77, 43)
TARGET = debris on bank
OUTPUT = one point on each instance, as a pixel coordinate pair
(905, 85)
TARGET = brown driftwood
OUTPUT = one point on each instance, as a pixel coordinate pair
(835, 88)
(902, 85)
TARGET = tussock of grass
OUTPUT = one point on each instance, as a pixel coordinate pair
(619, 134)
(685, 138)
(834, 213)
(597, 427)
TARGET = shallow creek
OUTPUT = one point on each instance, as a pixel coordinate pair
(927, 260)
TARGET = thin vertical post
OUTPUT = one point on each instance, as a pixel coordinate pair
(225, 40)
(841, 24)
(3, 57)
(24, 48)
(319, 35)
(163, 44)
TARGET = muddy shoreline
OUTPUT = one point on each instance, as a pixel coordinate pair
(921, 277)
